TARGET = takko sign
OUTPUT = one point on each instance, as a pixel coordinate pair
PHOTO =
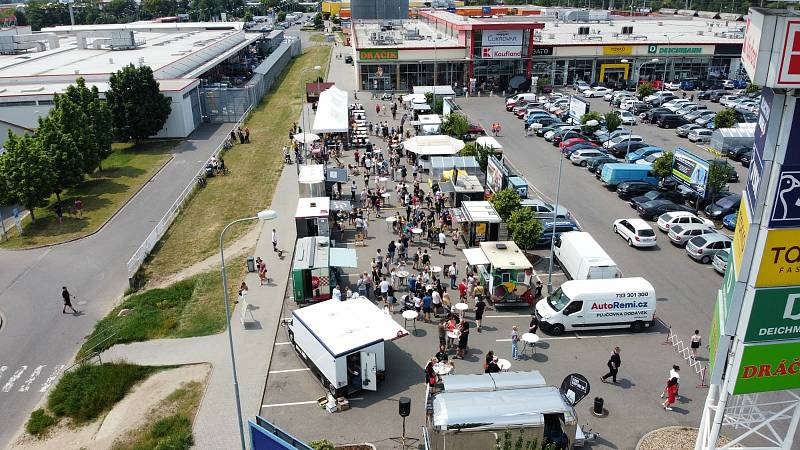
(377, 54)
(780, 262)
(768, 367)
(617, 49)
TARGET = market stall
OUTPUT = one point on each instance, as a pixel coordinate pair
(466, 188)
(505, 272)
(316, 268)
(311, 180)
(489, 142)
(438, 145)
(331, 115)
(312, 217)
(442, 167)
(478, 221)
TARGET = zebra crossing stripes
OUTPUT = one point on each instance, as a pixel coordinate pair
(24, 380)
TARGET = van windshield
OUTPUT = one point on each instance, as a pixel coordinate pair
(558, 300)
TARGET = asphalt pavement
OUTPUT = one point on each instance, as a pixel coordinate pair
(36, 340)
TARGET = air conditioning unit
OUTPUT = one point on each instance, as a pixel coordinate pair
(627, 30)
(583, 31)
(700, 33)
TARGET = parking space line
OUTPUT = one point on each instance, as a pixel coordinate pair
(282, 343)
(289, 370)
(557, 338)
(278, 405)
(509, 316)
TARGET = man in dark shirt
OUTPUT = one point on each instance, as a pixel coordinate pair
(613, 366)
(442, 354)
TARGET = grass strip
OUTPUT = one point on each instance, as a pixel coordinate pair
(255, 170)
(103, 193)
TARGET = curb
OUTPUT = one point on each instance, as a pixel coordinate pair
(102, 225)
(658, 430)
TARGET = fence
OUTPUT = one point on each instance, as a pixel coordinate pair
(700, 369)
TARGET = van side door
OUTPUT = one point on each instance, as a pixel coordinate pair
(573, 314)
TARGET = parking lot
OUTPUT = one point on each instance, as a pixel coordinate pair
(685, 289)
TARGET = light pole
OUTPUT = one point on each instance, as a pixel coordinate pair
(266, 214)
(303, 105)
(591, 123)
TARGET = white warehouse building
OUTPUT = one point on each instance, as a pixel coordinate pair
(35, 66)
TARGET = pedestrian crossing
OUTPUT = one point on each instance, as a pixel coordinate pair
(27, 378)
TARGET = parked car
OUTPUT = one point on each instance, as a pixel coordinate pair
(554, 229)
(655, 194)
(649, 115)
(636, 232)
(622, 138)
(703, 248)
(727, 100)
(581, 86)
(603, 135)
(724, 206)
(569, 142)
(629, 189)
(746, 158)
(670, 219)
(621, 149)
(650, 159)
(627, 117)
(720, 261)
(705, 118)
(543, 210)
(642, 153)
(683, 130)
(733, 176)
(728, 84)
(660, 100)
(681, 234)
(672, 86)
(568, 151)
(688, 109)
(595, 162)
(670, 121)
(581, 157)
(640, 108)
(653, 209)
(716, 95)
(700, 135)
(598, 91)
(735, 153)
(729, 221)
(474, 131)
(695, 114)
(558, 138)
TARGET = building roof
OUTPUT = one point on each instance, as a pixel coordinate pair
(409, 35)
(505, 255)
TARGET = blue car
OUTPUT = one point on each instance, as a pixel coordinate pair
(560, 226)
(729, 221)
(642, 153)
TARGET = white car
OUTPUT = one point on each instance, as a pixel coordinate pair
(667, 220)
(627, 117)
(649, 159)
(728, 84)
(581, 86)
(700, 135)
(622, 138)
(675, 102)
(581, 157)
(629, 103)
(636, 232)
(672, 86)
(728, 100)
(598, 91)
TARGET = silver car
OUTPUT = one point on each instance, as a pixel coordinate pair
(720, 262)
(703, 248)
(543, 210)
(681, 234)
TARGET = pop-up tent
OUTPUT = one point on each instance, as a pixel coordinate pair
(741, 136)
(433, 145)
(331, 116)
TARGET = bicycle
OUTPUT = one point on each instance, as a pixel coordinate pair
(227, 144)
(201, 181)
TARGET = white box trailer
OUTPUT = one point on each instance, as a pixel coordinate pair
(330, 335)
(582, 258)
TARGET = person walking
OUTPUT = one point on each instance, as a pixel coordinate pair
(674, 373)
(695, 341)
(534, 324)
(480, 305)
(614, 362)
(672, 394)
(515, 342)
(442, 241)
(337, 293)
(462, 339)
(67, 300)
(452, 272)
(427, 302)
(384, 286)
(274, 240)
(462, 291)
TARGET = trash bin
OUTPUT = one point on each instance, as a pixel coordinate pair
(598, 406)
(251, 264)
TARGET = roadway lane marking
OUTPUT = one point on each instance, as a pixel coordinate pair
(283, 343)
(289, 370)
(10, 383)
(52, 378)
(278, 405)
(3, 370)
(34, 375)
(509, 316)
(565, 337)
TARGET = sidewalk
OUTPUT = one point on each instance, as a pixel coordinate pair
(215, 425)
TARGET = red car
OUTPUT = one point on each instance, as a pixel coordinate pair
(570, 142)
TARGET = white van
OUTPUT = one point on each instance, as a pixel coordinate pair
(588, 304)
(512, 101)
(582, 258)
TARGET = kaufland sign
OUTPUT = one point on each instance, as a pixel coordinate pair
(502, 52)
(776, 65)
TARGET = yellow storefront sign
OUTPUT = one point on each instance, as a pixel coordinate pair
(740, 234)
(617, 49)
(780, 262)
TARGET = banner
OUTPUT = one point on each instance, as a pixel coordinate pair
(768, 367)
(491, 38)
(501, 52)
(775, 315)
(690, 170)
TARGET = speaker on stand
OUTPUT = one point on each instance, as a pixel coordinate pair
(404, 409)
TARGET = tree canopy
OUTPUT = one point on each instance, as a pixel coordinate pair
(139, 110)
(725, 118)
(662, 166)
(28, 172)
(506, 202)
(613, 120)
(455, 125)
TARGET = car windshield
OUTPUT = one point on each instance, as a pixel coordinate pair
(652, 195)
(722, 256)
(647, 233)
(558, 300)
(727, 202)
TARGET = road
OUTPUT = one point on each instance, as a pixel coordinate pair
(36, 340)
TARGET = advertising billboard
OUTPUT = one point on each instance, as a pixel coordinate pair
(780, 259)
(767, 368)
(690, 170)
(577, 108)
(501, 52)
(775, 315)
(492, 38)
(495, 174)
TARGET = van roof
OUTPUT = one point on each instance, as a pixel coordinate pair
(505, 255)
(589, 247)
(573, 288)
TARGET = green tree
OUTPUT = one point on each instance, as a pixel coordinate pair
(248, 16)
(507, 442)
(725, 118)
(506, 202)
(645, 89)
(81, 114)
(751, 88)
(591, 115)
(718, 174)
(281, 16)
(455, 125)
(323, 444)
(138, 108)
(319, 23)
(27, 171)
(613, 120)
(159, 8)
(525, 228)
(662, 166)
(480, 152)
(122, 10)
(541, 83)
(66, 159)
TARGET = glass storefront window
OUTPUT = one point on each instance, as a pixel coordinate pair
(579, 69)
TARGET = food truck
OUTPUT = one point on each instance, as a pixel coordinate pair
(478, 220)
(343, 343)
(316, 268)
(311, 180)
(472, 411)
(506, 274)
(312, 217)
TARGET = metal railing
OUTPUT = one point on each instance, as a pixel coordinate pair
(138, 257)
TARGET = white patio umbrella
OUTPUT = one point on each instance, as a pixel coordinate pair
(305, 138)
(433, 145)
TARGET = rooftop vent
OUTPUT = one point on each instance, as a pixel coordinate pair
(500, 246)
(627, 30)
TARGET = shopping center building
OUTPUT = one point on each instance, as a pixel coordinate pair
(495, 52)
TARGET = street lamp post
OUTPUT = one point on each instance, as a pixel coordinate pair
(591, 123)
(266, 214)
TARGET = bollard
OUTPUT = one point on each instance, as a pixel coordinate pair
(598, 406)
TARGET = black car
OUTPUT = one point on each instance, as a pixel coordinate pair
(598, 161)
(673, 196)
(348, 59)
(670, 121)
(724, 206)
(717, 94)
(640, 108)
(746, 158)
(654, 208)
(653, 111)
(621, 149)
(630, 189)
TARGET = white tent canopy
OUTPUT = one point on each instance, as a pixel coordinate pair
(488, 141)
(438, 90)
(305, 138)
(414, 98)
(433, 145)
(331, 116)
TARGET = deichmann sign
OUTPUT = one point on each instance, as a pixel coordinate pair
(674, 50)
(491, 38)
(768, 367)
(377, 54)
(780, 262)
(775, 315)
(617, 49)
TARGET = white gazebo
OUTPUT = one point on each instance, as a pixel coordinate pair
(331, 115)
(433, 145)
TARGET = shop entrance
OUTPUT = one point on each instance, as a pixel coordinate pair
(614, 73)
(378, 83)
